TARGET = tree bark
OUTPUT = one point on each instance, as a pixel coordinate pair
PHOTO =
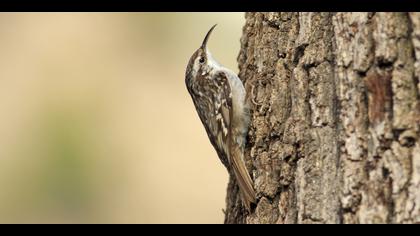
(335, 118)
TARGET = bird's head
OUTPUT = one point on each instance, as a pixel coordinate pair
(201, 62)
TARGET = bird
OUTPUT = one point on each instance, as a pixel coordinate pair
(219, 98)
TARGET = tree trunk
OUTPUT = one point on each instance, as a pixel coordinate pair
(335, 118)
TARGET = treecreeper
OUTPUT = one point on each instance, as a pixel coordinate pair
(219, 97)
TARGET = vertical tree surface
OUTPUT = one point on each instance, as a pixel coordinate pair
(335, 118)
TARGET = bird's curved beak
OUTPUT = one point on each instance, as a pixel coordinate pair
(204, 45)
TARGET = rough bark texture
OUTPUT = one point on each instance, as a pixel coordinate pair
(335, 118)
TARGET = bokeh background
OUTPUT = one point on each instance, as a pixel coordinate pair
(96, 125)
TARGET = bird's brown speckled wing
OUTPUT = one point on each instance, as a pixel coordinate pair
(235, 150)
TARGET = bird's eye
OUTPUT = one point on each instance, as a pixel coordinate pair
(202, 60)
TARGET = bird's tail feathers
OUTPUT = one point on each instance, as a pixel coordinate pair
(243, 178)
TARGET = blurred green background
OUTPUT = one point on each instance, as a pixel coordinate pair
(96, 124)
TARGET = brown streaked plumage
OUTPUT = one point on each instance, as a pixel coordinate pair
(219, 98)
